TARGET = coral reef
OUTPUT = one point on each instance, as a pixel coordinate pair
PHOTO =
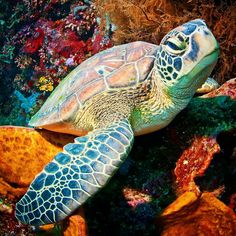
(152, 162)
(8, 223)
(227, 89)
(232, 202)
(43, 42)
(150, 20)
(5, 208)
(135, 197)
(205, 141)
(76, 225)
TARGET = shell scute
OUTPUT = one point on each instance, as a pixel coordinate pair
(88, 91)
(82, 78)
(144, 66)
(113, 64)
(69, 107)
(117, 67)
(137, 51)
(119, 79)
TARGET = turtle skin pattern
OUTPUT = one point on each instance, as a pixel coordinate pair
(75, 174)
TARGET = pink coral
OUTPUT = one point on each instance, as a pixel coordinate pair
(135, 197)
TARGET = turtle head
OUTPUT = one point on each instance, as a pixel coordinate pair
(186, 58)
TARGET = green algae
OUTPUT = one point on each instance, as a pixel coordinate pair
(207, 116)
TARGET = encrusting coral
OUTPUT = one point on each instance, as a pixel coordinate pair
(195, 159)
(150, 20)
(194, 212)
(194, 162)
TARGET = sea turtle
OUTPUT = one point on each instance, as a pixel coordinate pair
(127, 90)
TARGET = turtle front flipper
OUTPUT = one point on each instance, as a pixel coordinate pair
(75, 174)
(209, 85)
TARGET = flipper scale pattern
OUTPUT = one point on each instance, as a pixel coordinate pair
(75, 174)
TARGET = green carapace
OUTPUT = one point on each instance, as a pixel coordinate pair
(127, 90)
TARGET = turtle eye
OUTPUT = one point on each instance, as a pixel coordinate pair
(175, 45)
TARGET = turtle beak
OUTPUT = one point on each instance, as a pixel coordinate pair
(200, 59)
(203, 44)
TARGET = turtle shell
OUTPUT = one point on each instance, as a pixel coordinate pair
(118, 67)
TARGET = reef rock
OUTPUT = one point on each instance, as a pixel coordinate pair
(227, 89)
(76, 225)
(192, 215)
(195, 160)
(24, 152)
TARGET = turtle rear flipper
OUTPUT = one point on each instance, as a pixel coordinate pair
(75, 174)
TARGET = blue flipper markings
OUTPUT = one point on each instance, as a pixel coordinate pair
(75, 174)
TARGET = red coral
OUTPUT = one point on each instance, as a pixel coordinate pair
(69, 45)
(194, 161)
(98, 43)
(30, 83)
(67, 48)
(96, 46)
(33, 44)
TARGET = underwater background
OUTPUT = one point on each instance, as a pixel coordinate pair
(42, 41)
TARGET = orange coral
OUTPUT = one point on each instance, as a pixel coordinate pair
(193, 163)
(23, 154)
(10, 191)
(76, 225)
(192, 215)
(150, 20)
